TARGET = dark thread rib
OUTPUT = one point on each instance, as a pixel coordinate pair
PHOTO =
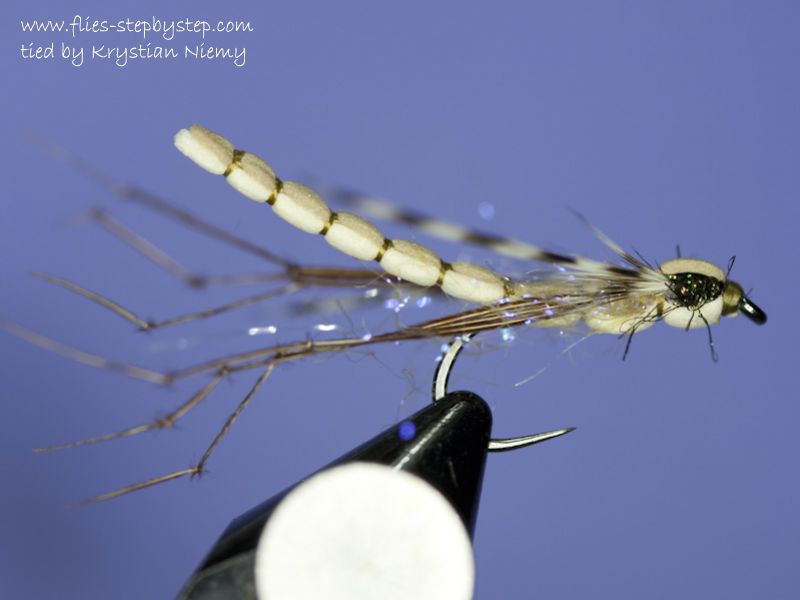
(387, 243)
(236, 162)
(274, 195)
(331, 220)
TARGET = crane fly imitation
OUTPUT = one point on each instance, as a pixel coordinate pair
(603, 297)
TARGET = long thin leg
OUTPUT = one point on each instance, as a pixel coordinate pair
(146, 248)
(712, 348)
(298, 277)
(149, 325)
(629, 335)
(84, 357)
(326, 276)
(167, 421)
(169, 264)
(376, 207)
(199, 467)
(135, 487)
(137, 195)
(472, 321)
(484, 318)
(307, 275)
(145, 325)
(242, 361)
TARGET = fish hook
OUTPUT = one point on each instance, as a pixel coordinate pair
(441, 378)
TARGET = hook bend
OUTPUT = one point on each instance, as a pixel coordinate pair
(441, 379)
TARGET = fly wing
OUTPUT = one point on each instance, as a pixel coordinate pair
(568, 305)
(385, 210)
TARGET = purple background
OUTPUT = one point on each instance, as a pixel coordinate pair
(664, 123)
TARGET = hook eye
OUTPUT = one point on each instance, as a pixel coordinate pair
(441, 379)
(750, 310)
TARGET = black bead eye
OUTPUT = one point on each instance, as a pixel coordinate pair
(693, 290)
(749, 309)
